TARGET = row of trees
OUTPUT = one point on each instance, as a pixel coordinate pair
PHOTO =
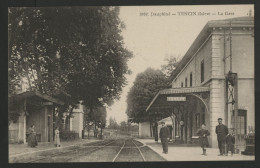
(71, 53)
(123, 126)
(146, 86)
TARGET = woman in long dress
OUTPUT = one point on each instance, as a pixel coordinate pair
(57, 138)
(32, 139)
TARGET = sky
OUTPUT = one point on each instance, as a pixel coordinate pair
(152, 37)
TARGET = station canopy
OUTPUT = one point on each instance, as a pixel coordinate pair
(168, 98)
(33, 96)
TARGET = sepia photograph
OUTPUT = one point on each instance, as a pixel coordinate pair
(162, 83)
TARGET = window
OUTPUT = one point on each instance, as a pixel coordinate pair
(202, 71)
(181, 84)
(186, 81)
(197, 120)
(241, 125)
(191, 79)
(203, 113)
(203, 118)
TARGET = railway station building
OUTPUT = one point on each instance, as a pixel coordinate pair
(214, 79)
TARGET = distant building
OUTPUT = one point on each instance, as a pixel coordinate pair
(34, 108)
(144, 129)
(76, 122)
(203, 89)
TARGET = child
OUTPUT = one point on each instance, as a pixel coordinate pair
(230, 142)
(203, 133)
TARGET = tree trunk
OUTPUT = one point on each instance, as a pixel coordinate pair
(101, 133)
(88, 133)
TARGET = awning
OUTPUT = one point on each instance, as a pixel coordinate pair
(27, 94)
(178, 91)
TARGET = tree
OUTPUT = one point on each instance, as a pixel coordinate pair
(112, 123)
(146, 86)
(171, 64)
(73, 50)
(123, 126)
(98, 117)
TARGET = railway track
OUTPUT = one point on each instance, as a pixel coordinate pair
(139, 150)
(129, 149)
(74, 151)
(119, 150)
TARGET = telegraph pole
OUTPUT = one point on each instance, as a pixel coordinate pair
(232, 88)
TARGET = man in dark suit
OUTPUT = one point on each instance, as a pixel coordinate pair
(164, 136)
(221, 131)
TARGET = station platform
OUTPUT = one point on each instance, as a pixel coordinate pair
(180, 152)
(20, 152)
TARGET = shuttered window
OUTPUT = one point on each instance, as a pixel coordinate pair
(202, 71)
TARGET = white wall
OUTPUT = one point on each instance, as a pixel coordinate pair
(194, 67)
(144, 129)
(77, 120)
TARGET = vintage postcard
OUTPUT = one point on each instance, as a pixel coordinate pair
(131, 83)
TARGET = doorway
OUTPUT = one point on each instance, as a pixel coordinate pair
(49, 128)
(241, 126)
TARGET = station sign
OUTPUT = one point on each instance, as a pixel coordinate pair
(176, 98)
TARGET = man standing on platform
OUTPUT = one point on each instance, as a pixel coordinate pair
(164, 136)
(221, 131)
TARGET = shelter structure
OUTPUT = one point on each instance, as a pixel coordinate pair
(36, 109)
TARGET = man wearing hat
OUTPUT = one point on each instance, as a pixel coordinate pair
(221, 131)
(164, 136)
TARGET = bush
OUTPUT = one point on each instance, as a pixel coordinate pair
(68, 135)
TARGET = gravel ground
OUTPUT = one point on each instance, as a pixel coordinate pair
(118, 143)
(15, 149)
(129, 155)
(150, 155)
(103, 155)
(138, 143)
(104, 151)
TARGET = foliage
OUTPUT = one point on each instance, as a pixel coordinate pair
(127, 126)
(68, 135)
(123, 126)
(99, 117)
(145, 87)
(76, 51)
(112, 123)
(13, 114)
(170, 66)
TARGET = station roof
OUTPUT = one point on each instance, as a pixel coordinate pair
(204, 34)
(172, 91)
(28, 94)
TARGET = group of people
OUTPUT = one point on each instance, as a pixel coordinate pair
(226, 139)
(32, 138)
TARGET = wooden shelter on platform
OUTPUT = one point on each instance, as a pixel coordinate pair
(34, 108)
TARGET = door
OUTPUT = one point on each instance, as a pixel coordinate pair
(49, 128)
(241, 125)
